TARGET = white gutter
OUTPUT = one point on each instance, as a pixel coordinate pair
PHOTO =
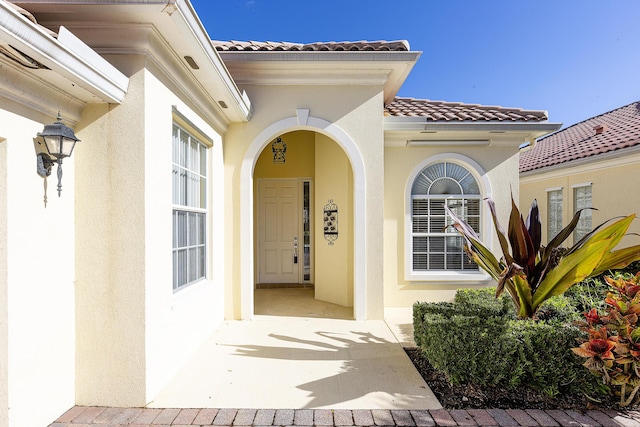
(188, 21)
(68, 56)
(320, 56)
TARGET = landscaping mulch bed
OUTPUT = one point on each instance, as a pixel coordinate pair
(469, 396)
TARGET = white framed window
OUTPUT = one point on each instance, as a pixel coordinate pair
(582, 200)
(432, 248)
(189, 208)
(554, 212)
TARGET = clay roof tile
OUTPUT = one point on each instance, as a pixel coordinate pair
(608, 132)
(457, 111)
(356, 46)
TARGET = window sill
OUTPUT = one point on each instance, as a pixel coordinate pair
(479, 278)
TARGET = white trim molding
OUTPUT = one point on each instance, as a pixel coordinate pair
(582, 184)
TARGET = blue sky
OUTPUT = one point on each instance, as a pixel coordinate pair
(574, 58)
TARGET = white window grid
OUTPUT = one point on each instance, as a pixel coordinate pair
(436, 247)
(554, 212)
(189, 211)
(581, 200)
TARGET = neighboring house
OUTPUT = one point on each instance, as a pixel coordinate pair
(594, 163)
(208, 169)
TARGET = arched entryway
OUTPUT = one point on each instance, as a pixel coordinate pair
(326, 137)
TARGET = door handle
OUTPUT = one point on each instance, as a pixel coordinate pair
(295, 250)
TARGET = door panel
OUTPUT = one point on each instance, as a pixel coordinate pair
(277, 231)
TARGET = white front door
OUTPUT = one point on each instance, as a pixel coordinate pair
(278, 245)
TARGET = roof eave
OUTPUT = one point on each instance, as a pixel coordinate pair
(119, 27)
(67, 55)
(387, 68)
(188, 20)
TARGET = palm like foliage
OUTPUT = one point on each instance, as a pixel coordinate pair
(533, 273)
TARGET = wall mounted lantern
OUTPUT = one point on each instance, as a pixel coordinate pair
(53, 144)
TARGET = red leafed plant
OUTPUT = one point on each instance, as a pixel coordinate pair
(613, 348)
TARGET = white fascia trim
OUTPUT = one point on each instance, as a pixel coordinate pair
(422, 124)
(320, 56)
(67, 56)
(189, 17)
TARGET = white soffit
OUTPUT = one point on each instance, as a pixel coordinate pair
(85, 75)
(384, 68)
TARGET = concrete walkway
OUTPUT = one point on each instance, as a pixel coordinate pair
(332, 371)
(302, 363)
(137, 417)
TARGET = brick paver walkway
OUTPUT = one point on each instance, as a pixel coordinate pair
(81, 416)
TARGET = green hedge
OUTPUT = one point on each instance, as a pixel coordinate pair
(477, 339)
(482, 302)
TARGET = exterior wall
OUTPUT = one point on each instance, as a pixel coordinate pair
(4, 303)
(334, 273)
(177, 323)
(614, 185)
(36, 280)
(356, 110)
(134, 332)
(500, 165)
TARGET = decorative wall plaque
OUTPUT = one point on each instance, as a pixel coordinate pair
(279, 149)
(330, 222)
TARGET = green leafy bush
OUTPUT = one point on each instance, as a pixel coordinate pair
(559, 309)
(588, 294)
(482, 302)
(478, 339)
(465, 348)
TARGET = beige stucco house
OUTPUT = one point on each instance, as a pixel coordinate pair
(206, 170)
(593, 163)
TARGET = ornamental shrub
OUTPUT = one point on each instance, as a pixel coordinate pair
(531, 272)
(475, 340)
(558, 309)
(588, 294)
(465, 348)
(612, 350)
(482, 302)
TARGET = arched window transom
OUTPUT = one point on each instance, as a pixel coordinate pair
(437, 185)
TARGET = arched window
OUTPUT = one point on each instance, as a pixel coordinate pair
(433, 247)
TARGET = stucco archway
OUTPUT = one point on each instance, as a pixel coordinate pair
(301, 122)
